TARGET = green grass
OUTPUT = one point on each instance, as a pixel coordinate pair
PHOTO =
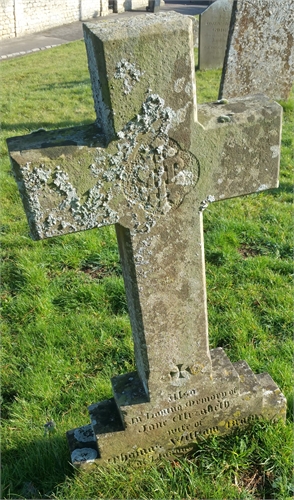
(65, 328)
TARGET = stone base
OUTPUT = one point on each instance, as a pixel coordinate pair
(129, 427)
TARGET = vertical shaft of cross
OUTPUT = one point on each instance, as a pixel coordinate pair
(156, 260)
(165, 283)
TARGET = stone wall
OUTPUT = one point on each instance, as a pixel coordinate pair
(7, 23)
(22, 17)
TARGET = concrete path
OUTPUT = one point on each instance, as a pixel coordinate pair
(19, 46)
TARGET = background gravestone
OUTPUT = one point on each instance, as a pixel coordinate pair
(214, 25)
(260, 55)
(151, 168)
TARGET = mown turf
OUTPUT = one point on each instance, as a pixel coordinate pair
(65, 328)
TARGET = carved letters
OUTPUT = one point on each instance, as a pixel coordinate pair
(178, 443)
(184, 411)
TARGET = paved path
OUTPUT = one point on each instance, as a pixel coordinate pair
(19, 46)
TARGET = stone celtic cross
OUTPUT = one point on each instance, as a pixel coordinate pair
(150, 166)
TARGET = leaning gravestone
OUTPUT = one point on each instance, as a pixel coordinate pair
(260, 54)
(149, 167)
(214, 24)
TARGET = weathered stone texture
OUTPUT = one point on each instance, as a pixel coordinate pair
(214, 25)
(260, 55)
(148, 166)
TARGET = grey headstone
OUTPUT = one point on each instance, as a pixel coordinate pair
(151, 168)
(260, 55)
(153, 6)
(214, 25)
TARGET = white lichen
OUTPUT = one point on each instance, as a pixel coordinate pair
(204, 203)
(84, 455)
(129, 73)
(143, 168)
(84, 434)
(179, 84)
(275, 151)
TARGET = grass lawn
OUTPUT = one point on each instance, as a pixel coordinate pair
(65, 327)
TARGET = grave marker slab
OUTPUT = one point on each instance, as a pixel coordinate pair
(214, 24)
(260, 55)
(150, 167)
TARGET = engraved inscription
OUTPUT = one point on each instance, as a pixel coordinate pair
(152, 427)
(180, 438)
(214, 28)
(240, 421)
(193, 435)
(184, 412)
(177, 430)
(137, 454)
(194, 392)
(190, 436)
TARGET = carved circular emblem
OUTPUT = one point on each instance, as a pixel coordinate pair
(159, 175)
(149, 167)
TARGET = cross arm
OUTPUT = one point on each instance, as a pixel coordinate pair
(63, 178)
(238, 146)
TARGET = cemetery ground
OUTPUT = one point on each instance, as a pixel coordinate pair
(66, 329)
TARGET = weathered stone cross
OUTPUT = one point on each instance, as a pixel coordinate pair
(151, 167)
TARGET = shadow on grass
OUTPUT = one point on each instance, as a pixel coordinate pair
(75, 84)
(28, 127)
(285, 187)
(290, 408)
(34, 469)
